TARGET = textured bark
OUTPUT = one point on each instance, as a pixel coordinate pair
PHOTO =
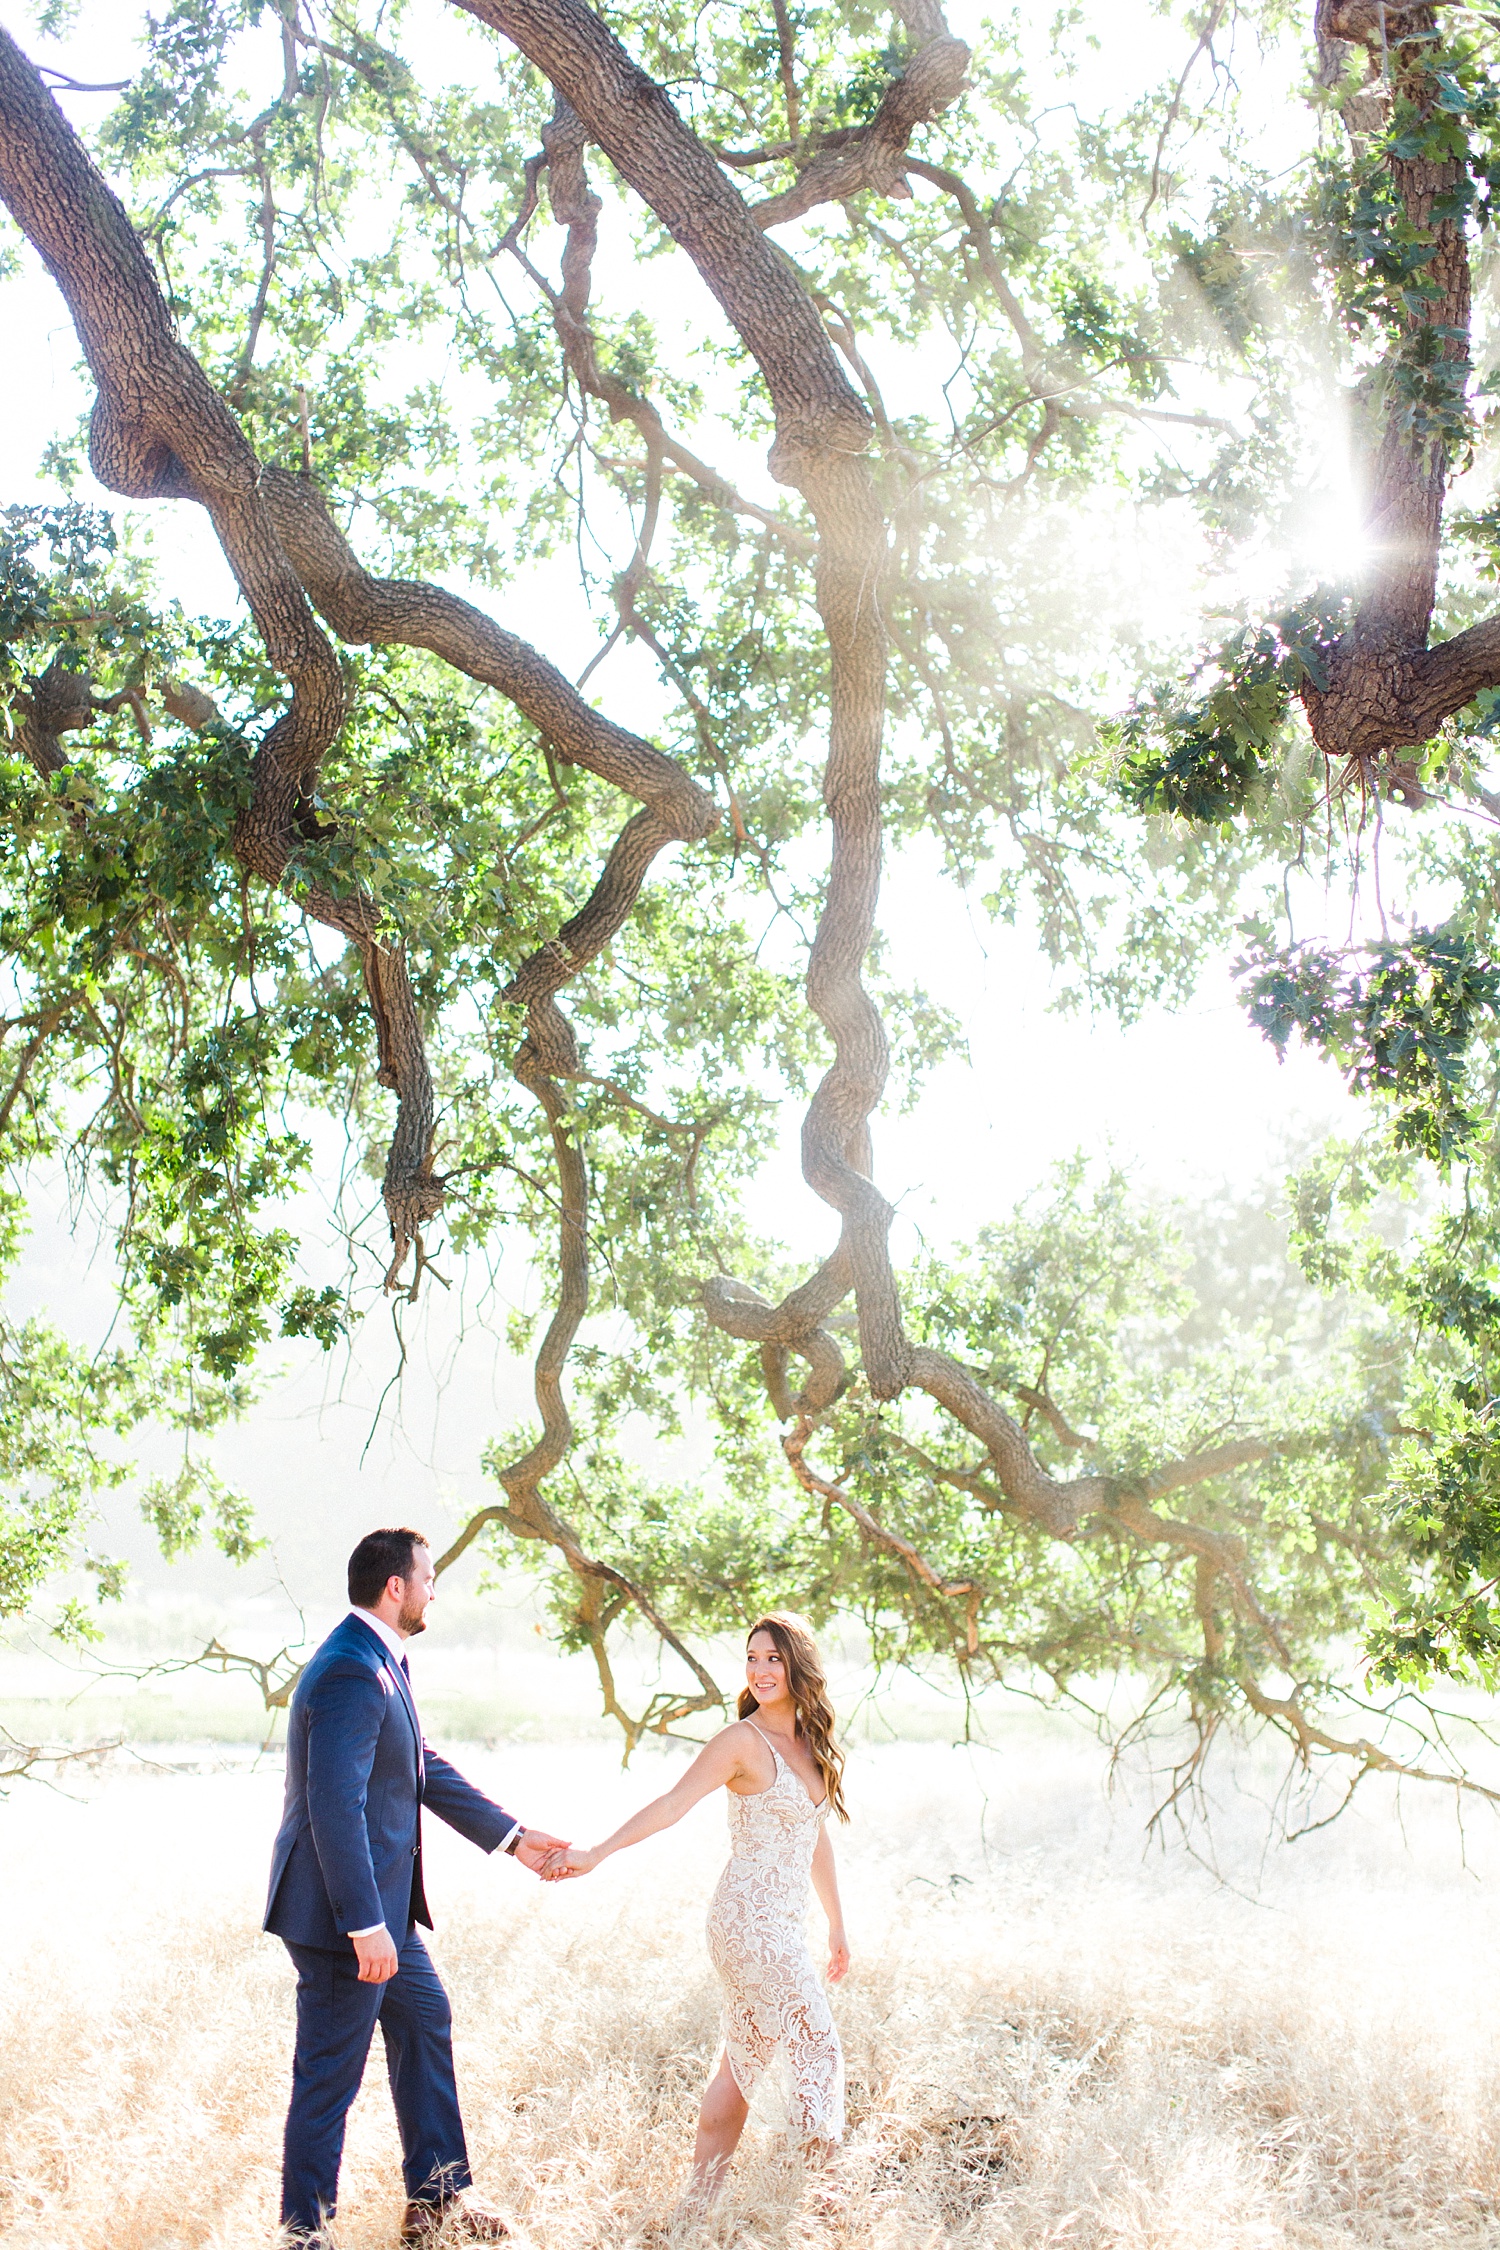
(874, 159)
(381, 612)
(1387, 690)
(378, 612)
(782, 1329)
(62, 702)
(633, 121)
(576, 208)
(158, 429)
(822, 428)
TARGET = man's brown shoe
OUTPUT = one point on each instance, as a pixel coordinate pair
(459, 2219)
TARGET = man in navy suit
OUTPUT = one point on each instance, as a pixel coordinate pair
(346, 1898)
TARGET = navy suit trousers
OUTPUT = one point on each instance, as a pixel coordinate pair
(336, 2018)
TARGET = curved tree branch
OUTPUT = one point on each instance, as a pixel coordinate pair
(873, 159)
(794, 1446)
(821, 428)
(1216, 1556)
(527, 1514)
(381, 612)
(160, 431)
(576, 208)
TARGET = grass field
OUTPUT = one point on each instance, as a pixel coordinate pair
(1051, 2039)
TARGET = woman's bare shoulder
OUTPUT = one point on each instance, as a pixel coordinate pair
(747, 1751)
(738, 1735)
(726, 1749)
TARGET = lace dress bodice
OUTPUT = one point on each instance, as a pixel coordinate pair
(758, 1943)
(775, 1833)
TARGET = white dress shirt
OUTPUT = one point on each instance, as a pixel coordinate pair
(397, 1646)
(388, 1633)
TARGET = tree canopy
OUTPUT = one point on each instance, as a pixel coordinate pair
(832, 346)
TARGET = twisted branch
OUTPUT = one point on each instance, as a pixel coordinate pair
(874, 158)
(527, 1514)
(821, 430)
(1217, 1557)
(160, 431)
(380, 612)
(415, 614)
(794, 1446)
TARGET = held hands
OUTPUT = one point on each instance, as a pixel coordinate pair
(569, 1860)
(536, 1848)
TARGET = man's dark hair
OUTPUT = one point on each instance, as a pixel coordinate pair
(381, 1555)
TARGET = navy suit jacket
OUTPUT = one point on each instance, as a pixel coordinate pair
(349, 1851)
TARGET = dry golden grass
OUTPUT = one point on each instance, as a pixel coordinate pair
(1049, 2040)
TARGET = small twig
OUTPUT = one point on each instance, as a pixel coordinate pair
(22, 1761)
(1174, 110)
(69, 85)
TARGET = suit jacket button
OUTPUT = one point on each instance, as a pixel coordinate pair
(415, 1849)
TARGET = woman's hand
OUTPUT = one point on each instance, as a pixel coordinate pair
(717, 1762)
(574, 1860)
(838, 1956)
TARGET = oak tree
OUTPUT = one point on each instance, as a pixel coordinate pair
(365, 850)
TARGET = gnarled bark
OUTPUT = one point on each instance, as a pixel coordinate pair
(873, 158)
(1386, 690)
(410, 613)
(818, 442)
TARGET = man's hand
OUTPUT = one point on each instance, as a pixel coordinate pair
(377, 1956)
(537, 1847)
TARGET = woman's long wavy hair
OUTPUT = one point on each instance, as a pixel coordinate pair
(808, 1689)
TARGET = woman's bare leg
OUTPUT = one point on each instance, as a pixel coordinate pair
(721, 2120)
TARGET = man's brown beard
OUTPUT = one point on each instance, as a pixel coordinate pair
(410, 1621)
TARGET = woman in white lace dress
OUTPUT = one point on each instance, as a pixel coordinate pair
(783, 1771)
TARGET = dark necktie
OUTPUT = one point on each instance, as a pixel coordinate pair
(412, 1701)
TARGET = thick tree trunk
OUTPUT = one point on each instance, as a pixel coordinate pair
(1387, 691)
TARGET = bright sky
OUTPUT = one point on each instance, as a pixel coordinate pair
(1187, 1095)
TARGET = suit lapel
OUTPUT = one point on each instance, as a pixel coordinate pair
(402, 1687)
